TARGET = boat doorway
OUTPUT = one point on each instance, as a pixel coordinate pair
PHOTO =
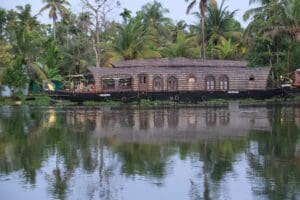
(251, 83)
(143, 83)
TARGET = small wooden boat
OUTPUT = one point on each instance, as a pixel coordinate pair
(176, 79)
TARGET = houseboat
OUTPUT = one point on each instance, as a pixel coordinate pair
(296, 83)
(174, 79)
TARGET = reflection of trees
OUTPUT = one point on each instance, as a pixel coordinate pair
(217, 157)
(275, 160)
(19, 146)
(143, 159)
(30, 137)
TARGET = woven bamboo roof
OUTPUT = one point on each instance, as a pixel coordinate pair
(178, 62)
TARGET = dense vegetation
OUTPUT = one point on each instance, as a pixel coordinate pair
(31, 51)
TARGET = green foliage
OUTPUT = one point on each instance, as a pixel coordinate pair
(5, 55)
(272, 37)
(219, 23)
(52, 54)
(183, 47)
(52, 73)
(226, 49)
(132, 42)
(272, 41)
(154, 21)
(14, 76)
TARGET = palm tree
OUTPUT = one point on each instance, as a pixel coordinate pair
(23, 33)
(226, 49)
(291, 25)
(276, 20)
(27, 41)
(264, 6)
(220, 23)
(57, 7)
(154, 20)
(202, 8)
(182, 47)
(132, 42)
(126, 14)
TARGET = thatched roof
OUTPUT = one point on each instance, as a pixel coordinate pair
(178, 62)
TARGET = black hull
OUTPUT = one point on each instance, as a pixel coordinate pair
(182, 96)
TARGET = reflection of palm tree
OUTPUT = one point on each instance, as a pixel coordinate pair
(59, 180)
(274, 164)
(206, 191)
(142, 159)
(22, 137)
(217, 157)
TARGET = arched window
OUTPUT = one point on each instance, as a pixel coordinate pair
(192, 80)
(172, 83)
(210, 83)
(224, 83)
(157, 83)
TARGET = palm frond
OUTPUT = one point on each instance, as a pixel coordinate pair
(191, 6)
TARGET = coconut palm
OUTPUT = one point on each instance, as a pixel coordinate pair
(57, 7)
(183, 46)
(263, 6)
(226, 49)
(131, 41)
(275, 21)
(291, 25)
(126, 14)
(154, 20)
(202, 8)
(26, 37)
(219, 23)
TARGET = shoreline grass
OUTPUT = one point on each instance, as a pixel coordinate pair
(44, 100)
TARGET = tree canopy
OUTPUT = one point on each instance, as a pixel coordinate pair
(92, 38)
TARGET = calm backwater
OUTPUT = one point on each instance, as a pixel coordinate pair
(172, 153)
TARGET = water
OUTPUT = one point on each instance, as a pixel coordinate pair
(174, 153)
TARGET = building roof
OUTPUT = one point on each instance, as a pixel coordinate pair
(178, 62)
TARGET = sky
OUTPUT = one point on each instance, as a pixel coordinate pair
(177, 10)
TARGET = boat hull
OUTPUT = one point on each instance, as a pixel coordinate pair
(179, 96)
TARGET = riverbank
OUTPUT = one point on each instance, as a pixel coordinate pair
(44, 100)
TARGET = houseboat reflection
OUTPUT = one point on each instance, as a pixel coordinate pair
(297, 117)
(169, 124)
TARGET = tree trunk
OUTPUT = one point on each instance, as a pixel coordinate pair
(97, 46)
(202, 11)
(54, 28)
(203, 38)
(96, 52)
(288, 60)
